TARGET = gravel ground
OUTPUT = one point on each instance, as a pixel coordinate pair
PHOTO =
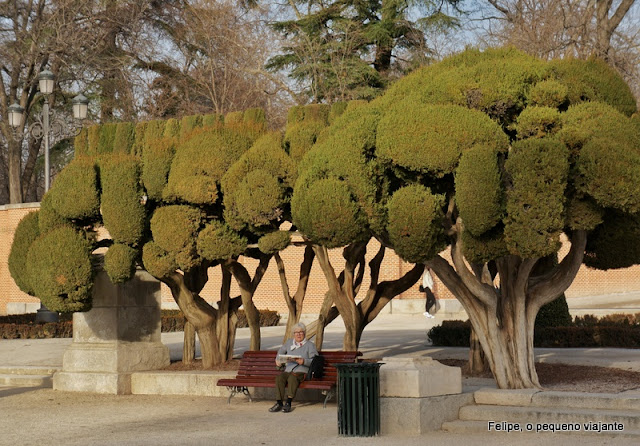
(36, 417)
(576, 378)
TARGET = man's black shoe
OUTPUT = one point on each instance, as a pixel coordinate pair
(277, 407)
(287, 407)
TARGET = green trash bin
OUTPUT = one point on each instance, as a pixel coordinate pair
(358, 399)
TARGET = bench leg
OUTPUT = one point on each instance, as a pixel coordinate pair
(239, 389)
(330, 394)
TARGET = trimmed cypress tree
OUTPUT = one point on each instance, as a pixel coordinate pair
(496, 154)
(163, 205)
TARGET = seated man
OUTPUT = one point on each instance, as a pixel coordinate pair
(296, 354)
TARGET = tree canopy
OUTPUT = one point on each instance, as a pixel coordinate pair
(176, 198)
(496, 154)
(493, 153)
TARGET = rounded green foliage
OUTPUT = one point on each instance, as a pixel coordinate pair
(188, 124)
(217, 241)
(59, 269)
(615, 243)
(415, 223)
(538, 169)
(156, 163)
(138, 143)
(274, 242)
(234, 117)
(26, 233)
(93, 139)
(337, 109)
(256, 187)
(488, 246)
(609, 171)
(479, 194)
(301, 136)
(549, 93)
(494, 81)
(158, 262)
(254, 115)
(175, 229)
(120, 262)
(81, 143)
(538, 122)
(172, 128)
(107, 135)
(123, 213)
(594, 80)
(327, 213)
(258, 198)
(635, 121)
(153, 131)
(212, 119)
(589, 120)
(200, 163)
(311, 112)
(431, 138)
(124, 138)
(295, 114)
(347, 153)
(583, 214)
(74, 194)
(48, 217)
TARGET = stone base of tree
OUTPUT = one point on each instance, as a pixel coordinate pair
(419, 394)
(119, 336)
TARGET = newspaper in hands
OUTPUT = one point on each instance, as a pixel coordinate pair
(287, 358)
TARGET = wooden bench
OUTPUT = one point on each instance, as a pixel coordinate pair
(258, 369)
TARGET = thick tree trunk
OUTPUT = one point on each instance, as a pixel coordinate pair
(342, 291)
(215, 328)
(343, 294)
(295, 303)
(504, 318)
(189, 345)
(477, 362)
(226, 317)
(247, 289)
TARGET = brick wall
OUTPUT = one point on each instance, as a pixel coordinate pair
(269, 294)
(10, 216)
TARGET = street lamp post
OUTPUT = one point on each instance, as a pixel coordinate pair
(48, 126)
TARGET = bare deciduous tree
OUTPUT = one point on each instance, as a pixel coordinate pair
(569, 28)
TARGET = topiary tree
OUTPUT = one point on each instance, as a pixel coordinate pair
(176, 209)
(335, 204)
(494, 155)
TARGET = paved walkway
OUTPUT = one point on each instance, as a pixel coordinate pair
(388, 335)
(44, 416)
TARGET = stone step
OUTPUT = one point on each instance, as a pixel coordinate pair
(630, 419)
(28, 370)
(15, 380)
(477, 427)
(578, 400)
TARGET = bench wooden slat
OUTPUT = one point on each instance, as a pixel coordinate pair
(257, 369)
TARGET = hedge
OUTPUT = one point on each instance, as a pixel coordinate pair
(621, 331)
(23, 326)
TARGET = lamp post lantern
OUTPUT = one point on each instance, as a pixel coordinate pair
(47, 125)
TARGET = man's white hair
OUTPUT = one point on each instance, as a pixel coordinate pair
(301, 326)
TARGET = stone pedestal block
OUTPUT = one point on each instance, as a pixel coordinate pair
(118, 336)
(419, 415)
(418, 394)
(418, 378)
